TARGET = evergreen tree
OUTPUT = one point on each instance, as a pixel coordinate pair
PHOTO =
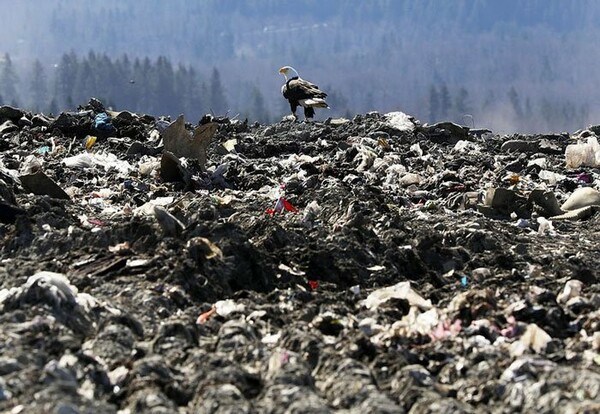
(258, 109)
(218, 102)
(205, 93)
(337, 101)
(143, 88)
(65, 79)
(547, 111)
(196, 101)
(461, 102)
(53, 107)
(462, 107)
(445, 101)
(124, 83)
(489, 101)
(84, 86)
(9, 81)
(169, 103)
(513, 97)
(188, 92)
(134, 91)
(434, 104)
(181, 90)
(38, 87)
(109, 85)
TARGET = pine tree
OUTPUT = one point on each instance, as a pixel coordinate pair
(109, 85)
(513, 97)
(461, 103)
(143, 89)
(134, 91)
(84, 86)
(258, 109)
(53, 107)
(489, 100)
(65, 79)
(337, 101)
(69, 104)
(124, 83)
(204, 92)
(445, 101)
(165, 88)
(181, 89)
(188, 92)
(218, 102)
(38, 87)
(9, 81)
(434, 104)
(196, 103)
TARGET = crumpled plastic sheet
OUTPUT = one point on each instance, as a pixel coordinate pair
(105, 160)
(400, 290)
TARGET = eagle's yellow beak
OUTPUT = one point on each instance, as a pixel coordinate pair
(283, 70)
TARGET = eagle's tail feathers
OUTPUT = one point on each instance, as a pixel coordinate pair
(316, 103)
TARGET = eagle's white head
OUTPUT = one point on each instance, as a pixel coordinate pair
(286, 70)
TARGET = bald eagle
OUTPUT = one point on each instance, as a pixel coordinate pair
(301, 92)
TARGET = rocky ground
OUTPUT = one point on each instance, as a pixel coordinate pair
(367, 265)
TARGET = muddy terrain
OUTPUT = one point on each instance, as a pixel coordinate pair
(368, 265)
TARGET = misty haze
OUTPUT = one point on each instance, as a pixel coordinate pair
(509, 66)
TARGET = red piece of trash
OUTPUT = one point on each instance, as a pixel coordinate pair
(281, 205)
(314, 284)
(288, 206)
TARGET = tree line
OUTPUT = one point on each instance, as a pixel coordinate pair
(508, 66)
(160, 87)
(141, 85)
(521, 112)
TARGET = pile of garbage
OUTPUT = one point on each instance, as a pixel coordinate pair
(376, 264)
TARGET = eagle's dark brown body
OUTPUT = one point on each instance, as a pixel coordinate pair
(300, 92)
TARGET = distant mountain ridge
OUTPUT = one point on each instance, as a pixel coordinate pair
(371, 55)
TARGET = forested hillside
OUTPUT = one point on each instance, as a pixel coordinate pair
(511, 65)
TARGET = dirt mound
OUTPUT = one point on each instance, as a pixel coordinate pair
(373, 264)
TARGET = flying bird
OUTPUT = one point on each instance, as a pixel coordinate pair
(301, 92)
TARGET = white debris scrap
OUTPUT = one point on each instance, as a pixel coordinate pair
(56, 288)
(400, 290)
(271, 339)
(105, 160)
(228, 306)
(416, 148)
(572, 289)
(416, 323)
(534, 338)
(400, 121)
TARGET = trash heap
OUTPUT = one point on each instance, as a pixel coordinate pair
(368, 265)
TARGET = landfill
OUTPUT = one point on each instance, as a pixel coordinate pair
(374, 264)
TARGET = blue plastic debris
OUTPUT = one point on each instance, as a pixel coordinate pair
(103, 122)
(464, 281)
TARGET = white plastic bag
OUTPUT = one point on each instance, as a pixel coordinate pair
(587, 154)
